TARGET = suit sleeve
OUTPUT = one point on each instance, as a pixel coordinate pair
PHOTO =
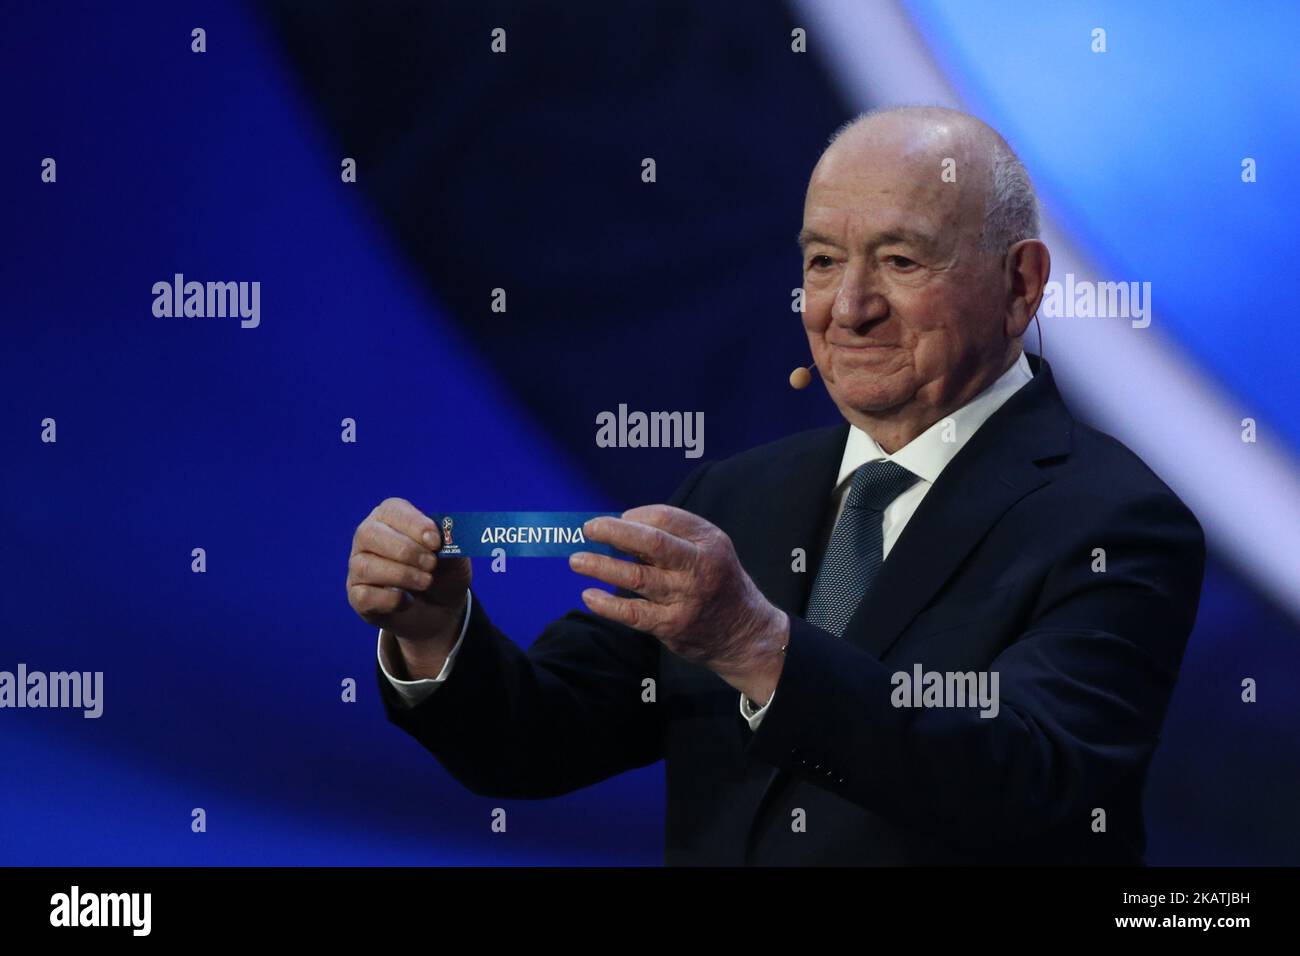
(563, 715)
(1083, 692)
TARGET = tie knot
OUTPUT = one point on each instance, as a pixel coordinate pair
(877, 483)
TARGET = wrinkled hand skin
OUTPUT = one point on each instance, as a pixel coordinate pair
(694, 596)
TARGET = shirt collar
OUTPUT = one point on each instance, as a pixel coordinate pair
(928, 453)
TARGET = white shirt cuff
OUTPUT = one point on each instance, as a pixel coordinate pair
(754, 715)
(413, 692)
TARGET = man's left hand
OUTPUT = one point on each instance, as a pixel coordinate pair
(693, 594)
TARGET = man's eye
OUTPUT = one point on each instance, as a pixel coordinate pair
(901, 262)
(817, 262)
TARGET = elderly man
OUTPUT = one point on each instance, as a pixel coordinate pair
(816, 614)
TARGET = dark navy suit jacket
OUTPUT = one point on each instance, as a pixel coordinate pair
(995, 571)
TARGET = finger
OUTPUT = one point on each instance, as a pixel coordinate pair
(652, 545)
(400, 515)
(375, 604)
(635, 613)
(378, 538)
(644, 579)
(366, 568)
(675, 521)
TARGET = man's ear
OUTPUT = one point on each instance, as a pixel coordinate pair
(1028, 264)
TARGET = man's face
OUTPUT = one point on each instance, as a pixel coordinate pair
(901, 307)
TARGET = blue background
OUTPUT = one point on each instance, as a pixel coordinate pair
(222, 690)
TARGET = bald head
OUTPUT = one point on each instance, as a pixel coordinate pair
(921, 266)
(998, 180)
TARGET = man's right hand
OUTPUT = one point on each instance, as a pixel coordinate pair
(397, 581)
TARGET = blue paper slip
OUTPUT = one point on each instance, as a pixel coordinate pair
(521, 534)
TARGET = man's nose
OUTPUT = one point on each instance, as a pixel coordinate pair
(858, 299)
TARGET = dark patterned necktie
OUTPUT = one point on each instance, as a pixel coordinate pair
(856, 551)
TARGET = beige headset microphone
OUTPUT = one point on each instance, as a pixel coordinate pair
(801, 376)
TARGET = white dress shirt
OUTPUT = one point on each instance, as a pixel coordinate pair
(926, 456)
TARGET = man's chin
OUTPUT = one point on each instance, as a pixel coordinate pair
(871, 394)
(868, 400)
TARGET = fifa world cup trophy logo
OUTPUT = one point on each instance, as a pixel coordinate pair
(446, 530)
